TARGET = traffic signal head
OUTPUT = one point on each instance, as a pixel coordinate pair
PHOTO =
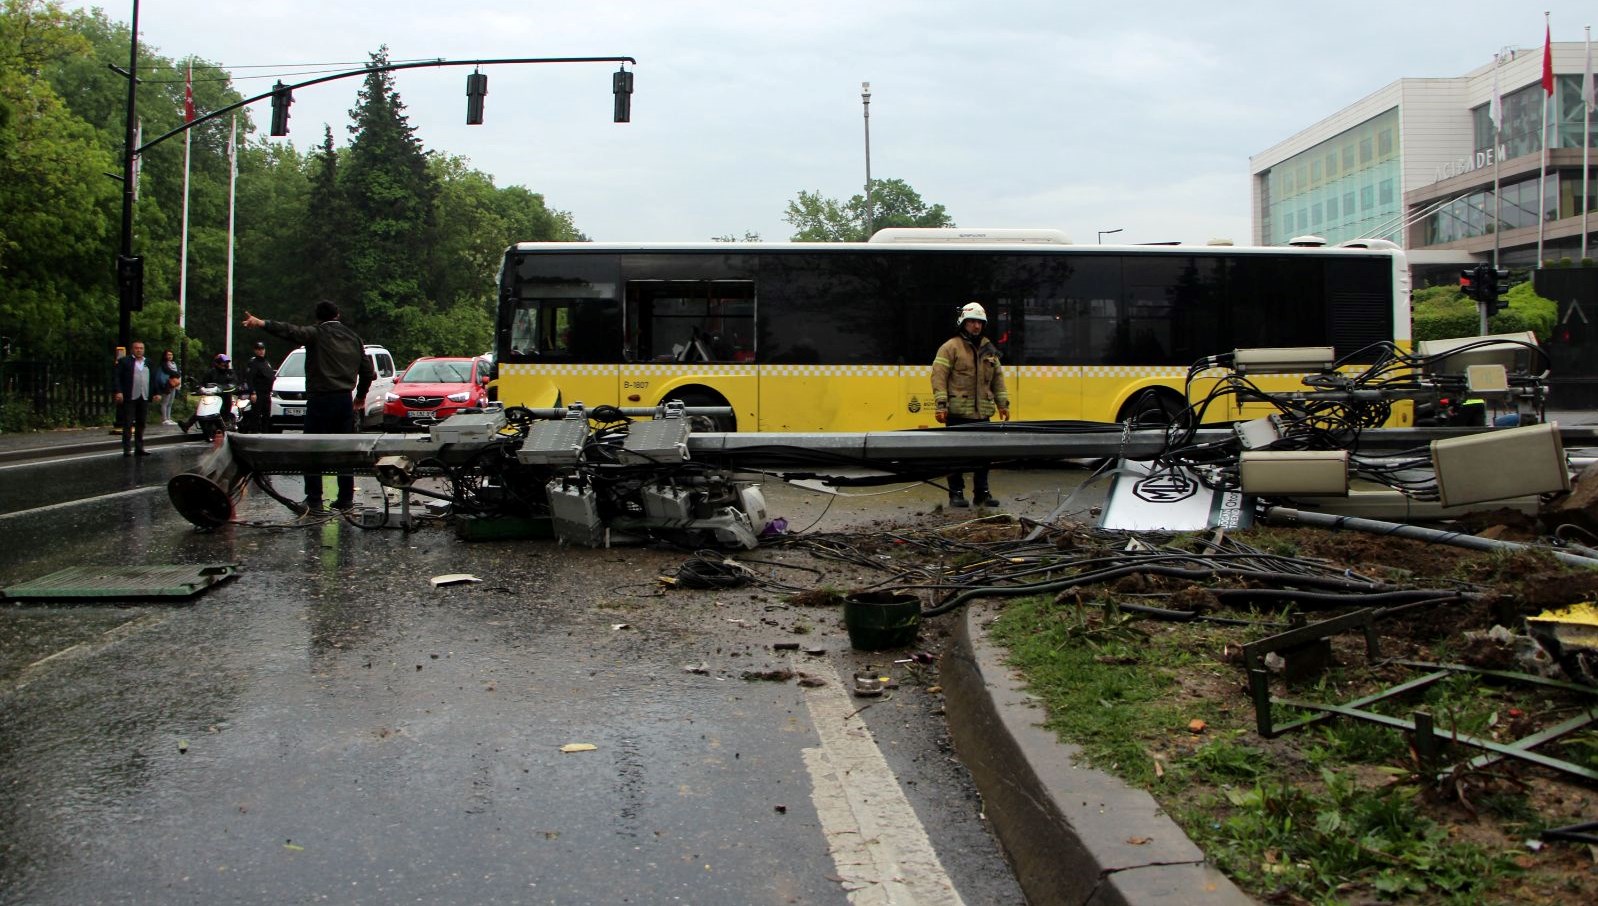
(1467, 282)
(282, 97)
(621, 84)
(476, 90)
(130, 282)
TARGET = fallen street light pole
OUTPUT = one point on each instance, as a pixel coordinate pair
(658, 477)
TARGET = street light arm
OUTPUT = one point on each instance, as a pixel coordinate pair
(366, 70)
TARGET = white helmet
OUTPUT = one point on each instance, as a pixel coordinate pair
(972, 311)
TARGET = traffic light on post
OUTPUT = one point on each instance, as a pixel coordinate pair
(130, 282)
(282, 97)
(476, 90)
(621, 84)
(1493, 283)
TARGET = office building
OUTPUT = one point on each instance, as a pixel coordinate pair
(1416, 163)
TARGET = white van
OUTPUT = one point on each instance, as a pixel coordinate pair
(288, 390)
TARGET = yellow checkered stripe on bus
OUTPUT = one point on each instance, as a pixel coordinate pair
(547, 369)
(540, 369)
(830, 370)
(1132, 371)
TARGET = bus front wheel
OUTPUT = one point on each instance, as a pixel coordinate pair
(708, 423)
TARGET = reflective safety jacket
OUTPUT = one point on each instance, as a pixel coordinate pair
(967, 378)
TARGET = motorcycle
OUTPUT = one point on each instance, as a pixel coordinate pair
(208, 414)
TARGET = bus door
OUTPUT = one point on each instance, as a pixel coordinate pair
(692, 340)
(1045, 382)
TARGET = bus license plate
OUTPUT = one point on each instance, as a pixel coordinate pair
(294, 411)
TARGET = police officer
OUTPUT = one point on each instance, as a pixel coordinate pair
(258, 377)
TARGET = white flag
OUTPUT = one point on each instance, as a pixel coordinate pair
(1495, 108)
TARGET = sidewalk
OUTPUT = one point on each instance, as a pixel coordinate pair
(103, 437)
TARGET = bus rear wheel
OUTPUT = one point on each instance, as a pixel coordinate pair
(725, 424)
(1153, 406)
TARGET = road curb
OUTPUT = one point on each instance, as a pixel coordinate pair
(1067, 830)
(49, 451)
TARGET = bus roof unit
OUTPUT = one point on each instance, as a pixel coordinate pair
(955, 234)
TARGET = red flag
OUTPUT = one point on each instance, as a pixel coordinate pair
(188, 97)
(1548, 60)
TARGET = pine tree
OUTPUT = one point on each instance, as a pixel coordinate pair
(390, 197)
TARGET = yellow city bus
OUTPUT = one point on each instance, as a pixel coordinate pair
(840, 336)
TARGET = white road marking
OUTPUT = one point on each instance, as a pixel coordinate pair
(881, 851)
(65, 504)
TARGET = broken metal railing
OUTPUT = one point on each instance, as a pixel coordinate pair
(1429, 739)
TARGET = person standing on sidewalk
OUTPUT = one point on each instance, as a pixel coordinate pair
(136, 387)
(258, 377)
(336, 363)
(968, 386)
(170, 376)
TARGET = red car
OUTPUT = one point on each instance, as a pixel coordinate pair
(435, 388)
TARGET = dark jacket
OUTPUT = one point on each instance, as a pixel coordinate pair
(124, 378)
(335, 357)
(259, 374)
(220, 375)
(166, 371)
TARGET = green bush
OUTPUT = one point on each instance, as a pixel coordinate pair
(1443, 312)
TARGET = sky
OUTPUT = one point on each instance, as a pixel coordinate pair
(1083, 117)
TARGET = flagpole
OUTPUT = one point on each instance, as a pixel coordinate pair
(1542, 176)
(183, 243)
(1586, 141)
(1495, 113)
(232, 194)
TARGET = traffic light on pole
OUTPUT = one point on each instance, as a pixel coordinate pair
(1467, 282)
(130, 282)
(282, 97)
(476, 90)
(621, 84)
(1493, 284)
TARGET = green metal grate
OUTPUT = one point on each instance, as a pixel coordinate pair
(122, 582)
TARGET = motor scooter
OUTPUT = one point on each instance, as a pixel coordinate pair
(208, 414)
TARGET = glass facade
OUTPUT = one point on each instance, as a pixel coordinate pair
(1347, 187)
(1523, 118)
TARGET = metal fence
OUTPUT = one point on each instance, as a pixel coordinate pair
(41, 393)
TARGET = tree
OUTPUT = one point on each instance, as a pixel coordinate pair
(893, 204)
(55, 202)
(326, 224)
(391, 195)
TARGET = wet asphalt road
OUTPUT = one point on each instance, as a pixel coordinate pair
(331, 728)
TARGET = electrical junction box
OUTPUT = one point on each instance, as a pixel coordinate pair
(1285, 360)
(667, 505)
(1295, 473)
(574, 513)
(554, 443)
(1256, 433)
(468, 427)
(1494, 465)
(1487, 379)
(1478, 351)
(661, 440)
